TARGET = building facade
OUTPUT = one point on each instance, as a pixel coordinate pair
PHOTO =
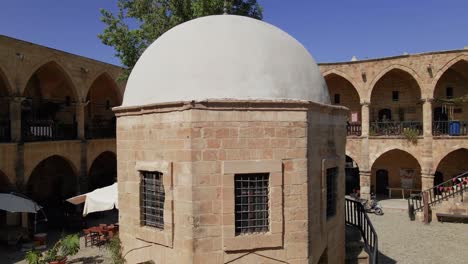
(408, 119)
(57, 129)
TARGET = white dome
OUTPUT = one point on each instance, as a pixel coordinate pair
(224, 57)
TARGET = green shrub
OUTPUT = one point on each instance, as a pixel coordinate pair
(115, 248)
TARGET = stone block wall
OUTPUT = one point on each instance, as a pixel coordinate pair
(206, 145)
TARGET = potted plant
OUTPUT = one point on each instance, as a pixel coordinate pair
(67, 246)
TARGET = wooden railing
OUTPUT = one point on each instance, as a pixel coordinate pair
(356, 216)
(43, 130)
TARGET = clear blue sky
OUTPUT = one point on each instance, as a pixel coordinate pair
(331, 30)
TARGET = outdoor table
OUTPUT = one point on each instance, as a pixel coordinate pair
(390, 189)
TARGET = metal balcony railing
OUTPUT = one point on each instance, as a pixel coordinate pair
(98, 131)
(355, 215)
(394, 128)
(354, 129)
(5, 131)
(450, 128)
(44, 130)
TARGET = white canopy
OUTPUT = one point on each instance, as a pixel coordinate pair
(17, 204)
(101, 199)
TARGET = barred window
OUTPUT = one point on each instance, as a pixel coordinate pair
(332, 175)
(152, 199)
(251, 203)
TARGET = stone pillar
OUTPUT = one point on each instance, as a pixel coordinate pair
(15, 118)
(365, 182)
(427, 118)
(427, 180)
(80, 120)
(365, 119)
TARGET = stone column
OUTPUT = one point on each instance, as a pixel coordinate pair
(365, 119)
(427, 118)
(365, 182)
(15, 118)
(80, 120)
(427, 180)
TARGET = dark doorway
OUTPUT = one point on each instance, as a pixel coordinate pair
(438, 179)
(352, 175)
(381, 180)
(385, 114)
(103, 171)
(440, 114)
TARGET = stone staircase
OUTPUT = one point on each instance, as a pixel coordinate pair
(355, 252)
(454, 205)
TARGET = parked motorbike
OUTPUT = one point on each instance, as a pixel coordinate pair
(372, 205)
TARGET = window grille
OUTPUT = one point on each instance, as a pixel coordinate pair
(251, 203)
(152, 199)
(332, 175)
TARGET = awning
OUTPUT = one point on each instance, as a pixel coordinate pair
(101, 199)
(16, 204)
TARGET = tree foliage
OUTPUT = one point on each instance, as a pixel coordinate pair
(138, 23)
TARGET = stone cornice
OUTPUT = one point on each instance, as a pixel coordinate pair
(229, 105)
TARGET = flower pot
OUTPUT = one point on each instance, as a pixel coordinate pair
(60, 261)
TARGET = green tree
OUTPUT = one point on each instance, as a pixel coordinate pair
(140, 22)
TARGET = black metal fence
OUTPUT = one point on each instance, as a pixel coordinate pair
(395, 128)
(450, 128)
(354, 129)
(356, 216)
(438, 193)
(5, 130)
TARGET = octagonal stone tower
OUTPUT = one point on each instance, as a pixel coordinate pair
(228, 150)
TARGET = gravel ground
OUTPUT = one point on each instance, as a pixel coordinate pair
(405, 241)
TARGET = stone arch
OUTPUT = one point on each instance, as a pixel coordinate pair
(66, 154)
(347, 78)
(388, 167)
(352, 178)
(444, 68)
(115, 87)
(103, 171)
(353, 156)
(52, 181)
(5, 184)
(390, 68)
(6, 88)
(62, 70)
(5, 92)
(398, 90)
(452, 163)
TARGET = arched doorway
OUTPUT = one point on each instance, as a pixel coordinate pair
(351, 175)
(4, 110)
(51, 182)
(453, 164)
(395, 169)
(49, 111)
(103, 171)
(395, 104)
(451, 113)
(342, 92)
(100, 119)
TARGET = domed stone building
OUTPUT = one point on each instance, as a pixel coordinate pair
(229, 150)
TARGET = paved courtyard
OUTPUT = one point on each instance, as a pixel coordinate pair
(405, 241)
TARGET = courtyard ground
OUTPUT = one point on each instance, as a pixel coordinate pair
(405, 241)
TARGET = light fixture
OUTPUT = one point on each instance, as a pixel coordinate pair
(429, 70)
(364, 76)
(20, 56)
(85, 70)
